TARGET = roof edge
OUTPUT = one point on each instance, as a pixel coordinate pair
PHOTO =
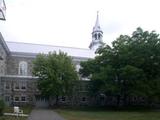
(33, 55)
(46, 45)
(4, 44)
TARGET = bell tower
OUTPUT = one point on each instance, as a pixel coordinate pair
(97, 35)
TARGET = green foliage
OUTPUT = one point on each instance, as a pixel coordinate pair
(2, 106)
(130, 67)
(56, 74)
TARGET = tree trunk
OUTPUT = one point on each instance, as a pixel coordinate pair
(125, 102)
(57, 100)
(150, 102)
(118, 100)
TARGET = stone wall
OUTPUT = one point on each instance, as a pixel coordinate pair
(19, 90)
(13, 65)
(3, 56)
(14, 96)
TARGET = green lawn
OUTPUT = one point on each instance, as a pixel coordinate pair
(70, 114)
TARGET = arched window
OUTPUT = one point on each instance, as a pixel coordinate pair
(95, 36)
(99, 36)
(22, 68)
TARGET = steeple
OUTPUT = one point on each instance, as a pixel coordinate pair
(97, 35)
(97, 25)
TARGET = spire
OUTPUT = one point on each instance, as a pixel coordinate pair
(97, 35)
(97, 25)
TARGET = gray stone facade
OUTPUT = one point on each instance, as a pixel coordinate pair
(13, 65)
(19, 87)
(18, 90)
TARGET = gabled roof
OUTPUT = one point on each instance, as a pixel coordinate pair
(18, 47)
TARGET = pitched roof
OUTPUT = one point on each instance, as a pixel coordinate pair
(39, 48)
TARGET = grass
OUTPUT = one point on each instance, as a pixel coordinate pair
(79, 114)
(12, 118)
(26, 110)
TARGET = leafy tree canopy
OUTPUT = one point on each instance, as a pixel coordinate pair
(56, 73)
(129, 67)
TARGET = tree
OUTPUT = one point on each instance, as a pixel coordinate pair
(56, 74)
(130, 67)
(2, 106)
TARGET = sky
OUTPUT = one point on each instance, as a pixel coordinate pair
(70, 22)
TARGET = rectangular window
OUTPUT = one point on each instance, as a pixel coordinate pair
(83, 99)
(16, 99)
(7, 86)
(23, 98)
(16, 86)
(80, 87)
(23, 86)
(63, 98)
(7, 98)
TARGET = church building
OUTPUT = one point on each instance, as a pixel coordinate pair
(18, 85)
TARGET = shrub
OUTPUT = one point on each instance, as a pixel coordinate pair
(2, 106)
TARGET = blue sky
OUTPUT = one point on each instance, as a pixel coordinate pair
(70, 22)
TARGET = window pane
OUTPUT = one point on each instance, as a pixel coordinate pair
(63, 98)
(16, 98)
(7, 98)
(23, 87)
(23, 98)
(83, 98)
(16, 86)
(7, 86)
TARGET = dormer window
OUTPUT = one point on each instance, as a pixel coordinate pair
(23, 68)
